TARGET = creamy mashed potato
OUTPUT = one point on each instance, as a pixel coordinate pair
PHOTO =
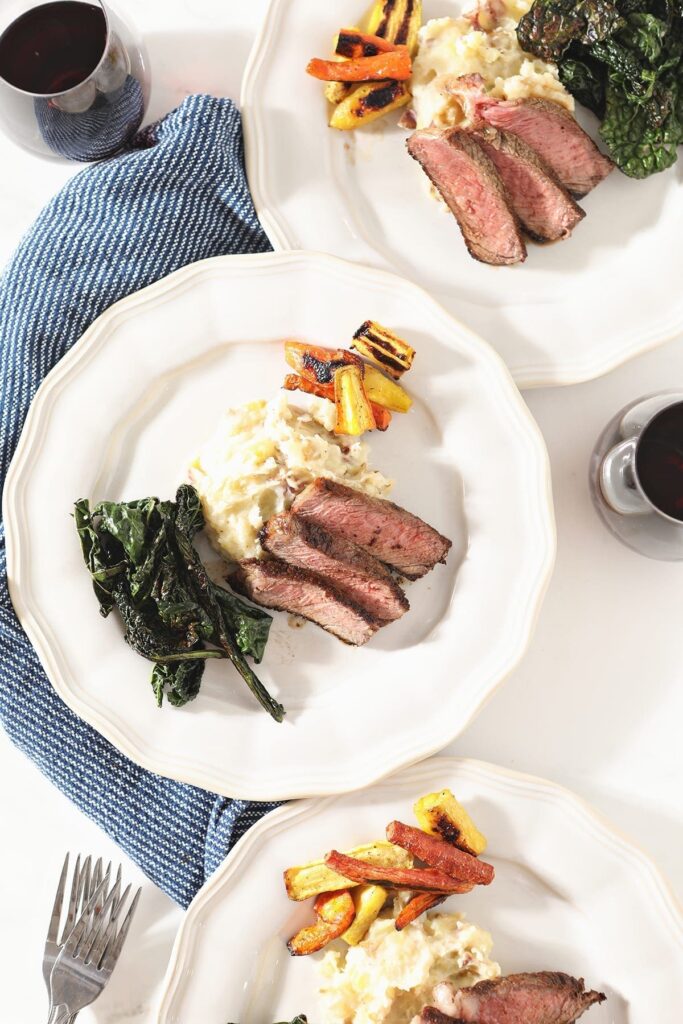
(390, 976)
(482, 41)
(260, 457)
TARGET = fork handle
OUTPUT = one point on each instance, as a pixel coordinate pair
(60, 1015)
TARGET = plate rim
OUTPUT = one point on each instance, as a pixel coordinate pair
(668, 904)
(281, 234)
(218, 780)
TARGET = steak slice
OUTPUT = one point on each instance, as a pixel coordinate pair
(351, 570)
(556, 136)
(387, 531)
(544, 207)
(286, 588)
(470, 185)
(544, 998)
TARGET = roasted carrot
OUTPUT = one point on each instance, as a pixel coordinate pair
(293, 382)
(439, 854)
(395, 65)
(417, 879)
(316, 362)
(335, 912)
(419, 905)
(354, 44)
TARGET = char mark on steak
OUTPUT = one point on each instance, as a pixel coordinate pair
(351, 570)
(543, 205)
(274, 584)
(547, 997)
(556, 137)
(430, 1015)
(470, 185)
(388, 532)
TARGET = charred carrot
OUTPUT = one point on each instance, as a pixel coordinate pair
(440, 854)
(395, 65)
(293, 382)
(316, 362)
(417, 879)
(354, 44)
(419, 905)
(335, 912)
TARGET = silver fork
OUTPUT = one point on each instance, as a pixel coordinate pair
(85, 880)
(90, 952)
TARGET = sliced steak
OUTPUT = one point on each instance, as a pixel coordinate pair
(555, 135)
(470, 185)
(350, 569)
(544, 207)
(286, 588)
(544, 998)
(387, 531)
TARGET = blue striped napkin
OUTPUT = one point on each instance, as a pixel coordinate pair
(178, 194)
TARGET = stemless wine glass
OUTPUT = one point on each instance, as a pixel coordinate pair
(74, 78)
(636, 475)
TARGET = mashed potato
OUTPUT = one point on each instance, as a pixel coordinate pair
(261, 456)
(482, 41)
(390, 976)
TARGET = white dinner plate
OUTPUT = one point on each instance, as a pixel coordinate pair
(569, 894)
(573, 311)
(121, 417)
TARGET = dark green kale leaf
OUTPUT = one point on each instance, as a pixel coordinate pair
(551, 26)
(142, 561)
(639, 147)
(584, 80)
(129, 523)
(179, 682)
(104, 561)
(250, 626)
(644, 35)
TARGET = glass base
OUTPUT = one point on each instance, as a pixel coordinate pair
(651, 535)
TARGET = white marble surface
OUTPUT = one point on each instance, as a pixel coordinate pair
(596, 705)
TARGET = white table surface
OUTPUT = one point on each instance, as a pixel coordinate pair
(596, 705)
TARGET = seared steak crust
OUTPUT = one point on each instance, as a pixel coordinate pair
(546, 997)
(471, 187)
(559, 140)
(351, 570)
(543, 205)
(387, 531)
(274, 584)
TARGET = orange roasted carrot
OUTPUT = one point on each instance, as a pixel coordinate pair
(354, 44)
(395, 65)
(437, 853)
(316, 362)
(419, 904)
(334, 912)
(293, 382)
(417, 879)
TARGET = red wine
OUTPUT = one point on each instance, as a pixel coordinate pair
(54, 47)
(659, 461)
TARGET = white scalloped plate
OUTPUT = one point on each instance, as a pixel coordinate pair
(572, 312)
(569, 894)
(121, 416)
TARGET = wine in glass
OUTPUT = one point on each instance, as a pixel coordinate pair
(74, 78)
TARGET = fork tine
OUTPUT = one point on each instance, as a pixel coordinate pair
(71, 945)
(100, 923)
(113, 951)
(85, 883)
(53, 927)
(107, 928)
(117, 909)
(72, 910)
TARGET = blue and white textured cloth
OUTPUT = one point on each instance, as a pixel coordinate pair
(178, 194)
